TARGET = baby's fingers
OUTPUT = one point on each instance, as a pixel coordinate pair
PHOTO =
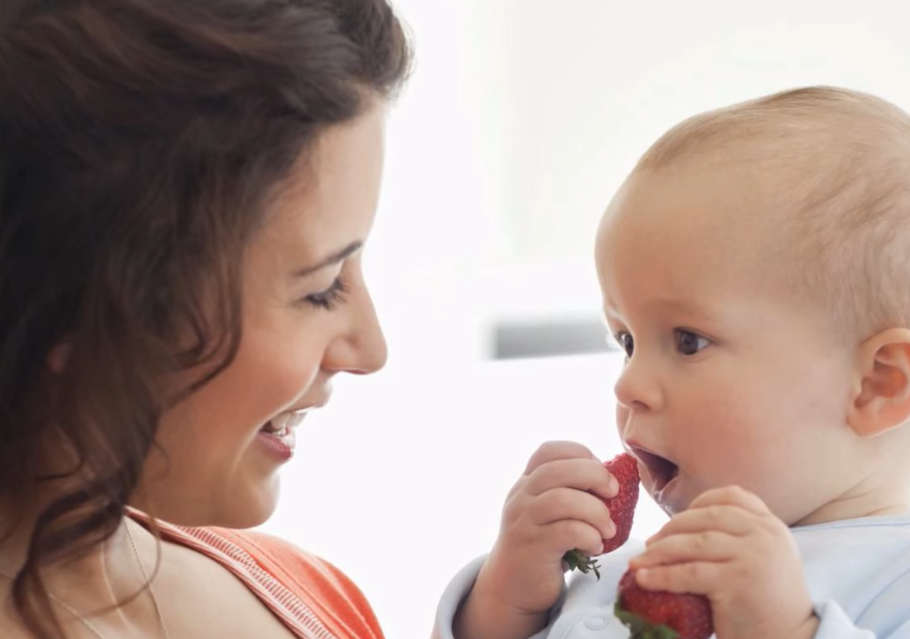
(566, 503)
(557, 450)
(697, 577)
(732, 520)
(581, 474)
(567, 534)
(707, 546)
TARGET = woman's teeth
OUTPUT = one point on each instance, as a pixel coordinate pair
(282, 424)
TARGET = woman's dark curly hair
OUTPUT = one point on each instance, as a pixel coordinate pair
(140, 143)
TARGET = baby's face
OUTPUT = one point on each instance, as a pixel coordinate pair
(730, 379)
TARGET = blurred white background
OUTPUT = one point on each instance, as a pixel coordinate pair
(522, 118)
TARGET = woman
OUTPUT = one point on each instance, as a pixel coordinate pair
(185, 190)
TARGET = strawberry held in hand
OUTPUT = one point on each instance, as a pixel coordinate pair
(662, 615)
(624, 468)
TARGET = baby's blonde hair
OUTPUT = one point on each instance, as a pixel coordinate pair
(843, 158)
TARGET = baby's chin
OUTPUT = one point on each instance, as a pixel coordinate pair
(670, 508)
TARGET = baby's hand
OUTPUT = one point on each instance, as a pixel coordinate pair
(552, 508)
(728, 546)
(555, 506)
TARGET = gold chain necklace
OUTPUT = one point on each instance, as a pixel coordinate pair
(92, 627)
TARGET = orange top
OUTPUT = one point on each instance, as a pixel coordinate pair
(310, 596)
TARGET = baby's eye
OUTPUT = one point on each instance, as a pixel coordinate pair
(626, 343)
(689, 343)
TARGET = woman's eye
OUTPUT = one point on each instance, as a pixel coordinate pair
(689, 343)
(329, 298)
(626, 343)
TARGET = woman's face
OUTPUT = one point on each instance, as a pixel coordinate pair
(307, 315)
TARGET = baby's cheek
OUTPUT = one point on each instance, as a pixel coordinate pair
(717, 432)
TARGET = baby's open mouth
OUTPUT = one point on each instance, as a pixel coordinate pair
(661, 470)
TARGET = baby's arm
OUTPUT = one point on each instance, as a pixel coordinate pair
(555, 506)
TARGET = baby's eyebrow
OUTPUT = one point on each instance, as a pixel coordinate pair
(682, 304)
(608, 314)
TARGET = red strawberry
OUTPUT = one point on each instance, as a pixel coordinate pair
(622, 507)
(662, 615)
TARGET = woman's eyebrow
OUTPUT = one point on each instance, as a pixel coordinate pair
(334, 258)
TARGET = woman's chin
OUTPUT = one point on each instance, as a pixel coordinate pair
(253, 511)
(229, 508)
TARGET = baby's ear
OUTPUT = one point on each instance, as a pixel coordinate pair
(882, 392)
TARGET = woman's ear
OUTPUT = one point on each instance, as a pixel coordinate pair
(58, 357)
(881, 400)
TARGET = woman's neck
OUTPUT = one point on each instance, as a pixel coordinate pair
(108, 574)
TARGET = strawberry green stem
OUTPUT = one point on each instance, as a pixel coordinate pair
(576, 559)
(641, 628)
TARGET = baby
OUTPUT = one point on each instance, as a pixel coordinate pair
(755, 269)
